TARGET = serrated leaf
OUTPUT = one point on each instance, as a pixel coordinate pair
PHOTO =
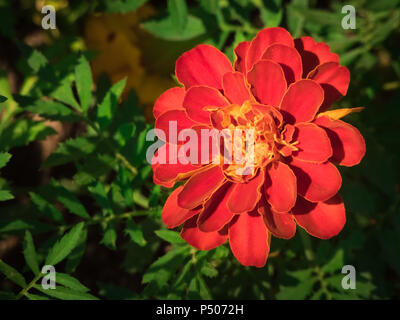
(106, 109)
(5, 195)
(69, 151)
(46, 207)
(69, 200)
(179, 13)
(30, 253)
(209, 270)
(121, 6)
(66, 293)
(83, 78)
(170, 236)
(99, 194)
(53, 110)
(12, 274)
(4, 158)
(165, 29)
(336, 263)
(135, 233)
(76, 255)
(163, 268)
(110, 237)
(65, 94)
(70, 282)
(63, 247)
(32, 296)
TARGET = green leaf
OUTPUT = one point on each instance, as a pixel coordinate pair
(22, 132)
(170, 236)
(12, 274)
(53, 110)
(4, 158)
(30, 253)
(32, 296)
(63, 247)
(106, 109)
(121, 6)
(2, 99)
(66, 293)
(76, 255)
(272, 13)
(163, 268)
(336, 263)
(84, 82)
(36, 60)
(46, 207)
(5, 195)
(179, 13)
(166, 29)
(70, 282)
(69, 151)
(299, 291)
(98, 192)
(110, 237)
(135, 233)
(65, 94)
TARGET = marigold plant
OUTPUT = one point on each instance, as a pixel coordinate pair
(281, 88)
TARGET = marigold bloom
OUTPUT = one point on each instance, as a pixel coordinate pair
(279, 87)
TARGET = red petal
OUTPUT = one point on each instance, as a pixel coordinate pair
(240, 53)
(202, 240)
(288, 58)
(281, 225)
(203, 65)
(235, 88)
(314, 53)
(166, 119)
(172, 214)
(348, 144)
(267, 82)
(323, 219)
(280, 187)
(197, 98)
(313, 143)
(263, 40)
(333, 79)
(249, 239)
(245, 196)
(216, 214)
(200, 186)
(302, 101)
(316, 181)
(169, 100)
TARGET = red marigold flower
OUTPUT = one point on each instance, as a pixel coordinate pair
(280, 88)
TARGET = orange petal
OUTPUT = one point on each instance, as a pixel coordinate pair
(281, 225)
(235, 88)
(169, 100)
(313, 143)
(203, 65)
(280, 187)
(249, 239)
(172, 214)
(200, 186)
(302, 101)
(245, 196)
(323, 219)
(240, 53)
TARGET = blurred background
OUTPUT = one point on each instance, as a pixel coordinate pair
(63, 163)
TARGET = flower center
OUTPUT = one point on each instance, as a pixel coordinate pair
(253, 136)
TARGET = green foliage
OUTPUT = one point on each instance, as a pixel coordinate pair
(95, 211)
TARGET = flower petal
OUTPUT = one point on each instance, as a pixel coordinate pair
(172, 214)
(240, 53)
(172, 122)
(348, 144)
(316, 181)
(313, 143)
(202, 240)
(280, 187)
(203, 65)
(169, 100)
(334, 80)
(235, 88)
(281, 225)
(199, 97)
(216, 214)
(263, 40)
(301, 101)
(288, 58)
(323, 219)
(249, 239)
(200, 186)
(314, 53)
(245, 196)
(267, 82)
